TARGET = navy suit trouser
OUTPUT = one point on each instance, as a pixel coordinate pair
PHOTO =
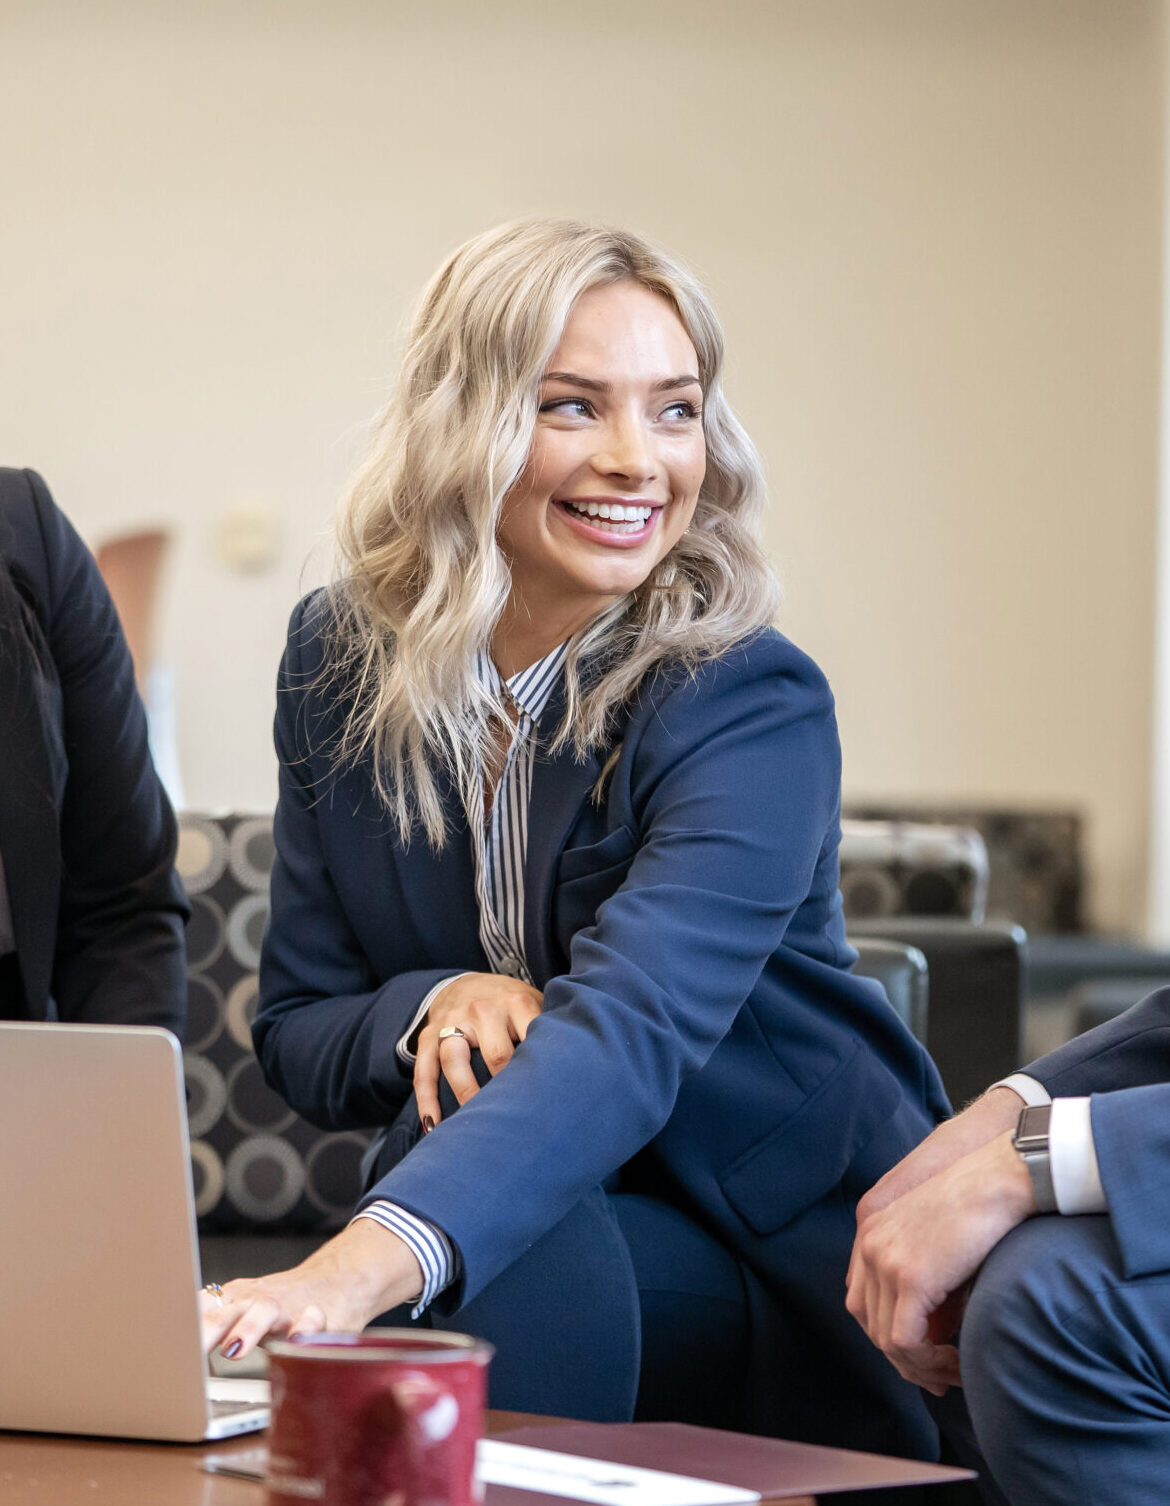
(626, 1309)
(629, 1309)
(1066, 1368)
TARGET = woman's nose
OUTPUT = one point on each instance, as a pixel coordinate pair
(626, 450)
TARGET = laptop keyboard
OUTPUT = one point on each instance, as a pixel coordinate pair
(221, 1408)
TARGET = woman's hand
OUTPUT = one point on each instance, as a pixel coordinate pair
(494, 1014)
(363, 1271)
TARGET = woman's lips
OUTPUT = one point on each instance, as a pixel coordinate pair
(613, 522)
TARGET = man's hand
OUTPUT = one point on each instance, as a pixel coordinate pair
(912, 1255)
(493, 1012)
(987, 1117)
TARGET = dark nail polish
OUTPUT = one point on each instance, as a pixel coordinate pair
(428, 1124)
(233, 1349)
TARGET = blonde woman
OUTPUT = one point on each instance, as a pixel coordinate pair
(557, 849)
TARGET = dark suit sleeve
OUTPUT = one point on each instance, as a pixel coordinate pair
(736, 780)
(119, 954)
(1131, 1135)
(1125, 1066)
(1125, 1052)
(321, 1010)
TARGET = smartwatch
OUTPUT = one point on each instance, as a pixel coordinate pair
(1031, 1140)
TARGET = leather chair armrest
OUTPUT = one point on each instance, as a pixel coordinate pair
(902, 971)
(978, 977)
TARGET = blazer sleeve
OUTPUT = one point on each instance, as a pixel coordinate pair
(321, 1010)
(1126, 1052)
(1131, 1135)
(120, 953)
(1125, 1065)
(736, 779)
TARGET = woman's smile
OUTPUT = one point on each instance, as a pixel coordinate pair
(611, 521)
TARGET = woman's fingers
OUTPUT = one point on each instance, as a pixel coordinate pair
(247, 1318)
(455, 1061)
(426, 1079)
(311, 1321)
(215, 1316)
(260, 1317)
(443, 1053)
(364, 1270)
(496, 1044)
(525, 1009)
(488, 1012)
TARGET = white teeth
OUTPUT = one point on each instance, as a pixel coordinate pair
(623, 518)
(613, 512)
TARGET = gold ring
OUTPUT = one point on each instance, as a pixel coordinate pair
(451, 1032)
(214, 1289)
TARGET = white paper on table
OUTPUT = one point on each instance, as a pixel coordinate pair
(598, 1480)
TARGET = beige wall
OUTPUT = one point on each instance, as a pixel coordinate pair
(933, 227)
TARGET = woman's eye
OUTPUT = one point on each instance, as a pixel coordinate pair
(570, 407)
(681, 410)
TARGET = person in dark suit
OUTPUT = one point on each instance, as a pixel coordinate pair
(557, 843)
(91, 910)
(1063, 1354)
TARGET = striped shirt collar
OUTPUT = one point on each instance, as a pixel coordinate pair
(531, 688)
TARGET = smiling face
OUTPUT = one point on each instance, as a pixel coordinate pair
(614, 472)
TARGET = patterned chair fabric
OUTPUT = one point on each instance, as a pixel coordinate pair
(256, 1165)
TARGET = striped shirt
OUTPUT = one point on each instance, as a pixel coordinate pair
(500, 846)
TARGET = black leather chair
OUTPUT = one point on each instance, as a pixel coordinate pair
(977, 987)
(903, 973)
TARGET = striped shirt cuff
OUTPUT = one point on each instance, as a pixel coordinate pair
(428, 1244)
(405, 1055)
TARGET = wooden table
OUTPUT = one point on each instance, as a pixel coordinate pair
(41, 1469)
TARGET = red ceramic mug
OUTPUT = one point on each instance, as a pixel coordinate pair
(390, 1417)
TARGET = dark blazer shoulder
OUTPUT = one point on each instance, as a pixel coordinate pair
(28, 516)
(762, 657)
(312, 703)
(48, 559)
(763, 678)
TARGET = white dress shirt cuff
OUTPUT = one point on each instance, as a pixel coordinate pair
(405, 1054)
(1076, 1178)
(1034, 1094)
(427, 1243)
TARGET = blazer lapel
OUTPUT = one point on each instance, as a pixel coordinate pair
(28, 810)
(438, 889)
(560, 787)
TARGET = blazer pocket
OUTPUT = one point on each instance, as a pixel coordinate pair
(807, 1155)
(599, 857)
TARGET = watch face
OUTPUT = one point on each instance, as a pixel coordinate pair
(1032, 1128)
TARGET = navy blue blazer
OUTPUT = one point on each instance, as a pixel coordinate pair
(86, 834)
(1125, 1066)
(702, 1029)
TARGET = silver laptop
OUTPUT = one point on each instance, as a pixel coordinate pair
(99, 1265)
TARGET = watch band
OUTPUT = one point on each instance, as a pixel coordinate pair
(1031, 1140)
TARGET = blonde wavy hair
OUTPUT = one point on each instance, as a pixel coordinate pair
(422, 579)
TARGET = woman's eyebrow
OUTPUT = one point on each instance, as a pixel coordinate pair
(572, 379)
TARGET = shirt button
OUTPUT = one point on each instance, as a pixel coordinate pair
(511, 968)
